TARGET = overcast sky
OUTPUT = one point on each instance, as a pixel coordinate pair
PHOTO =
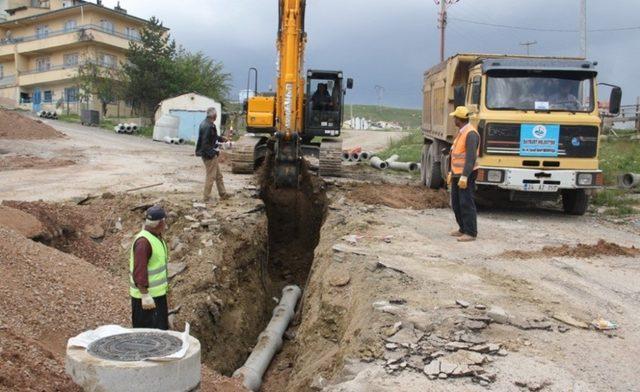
(391, 43)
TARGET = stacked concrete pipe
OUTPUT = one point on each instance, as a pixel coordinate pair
(629, 180)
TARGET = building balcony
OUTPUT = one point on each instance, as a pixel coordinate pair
(66, 37)
(47, 75)
(8, 81)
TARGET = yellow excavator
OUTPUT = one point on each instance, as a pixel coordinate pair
(302, 118)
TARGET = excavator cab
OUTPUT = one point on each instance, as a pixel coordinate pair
(324, 103)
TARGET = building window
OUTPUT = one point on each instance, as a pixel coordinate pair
(70, 25)
(107, 60)
(43, 64)
(71, 94)
(70, 60)
(107, 26)
(42, 31)
(1, 71)
(40, 3)
(48, 96)
(132, 33)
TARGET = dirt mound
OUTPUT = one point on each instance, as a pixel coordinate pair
(30, 162)
(581, 251)
(46, 297)
(78, 230)
(17, 126)
(398, 196)
(23, 223)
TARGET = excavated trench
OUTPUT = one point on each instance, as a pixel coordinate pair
(279, 253)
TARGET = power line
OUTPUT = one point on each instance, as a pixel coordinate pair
(541, 29)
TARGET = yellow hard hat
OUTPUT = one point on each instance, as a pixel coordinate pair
(460, 112)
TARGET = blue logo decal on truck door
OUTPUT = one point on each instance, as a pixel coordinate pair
(539, 140)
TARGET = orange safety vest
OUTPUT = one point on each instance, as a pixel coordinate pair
(459, 150)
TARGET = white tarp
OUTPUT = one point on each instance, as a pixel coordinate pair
(86, 338)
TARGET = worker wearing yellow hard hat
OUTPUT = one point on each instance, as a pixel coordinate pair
(462, 175)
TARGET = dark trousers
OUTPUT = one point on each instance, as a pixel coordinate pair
(464, 206)
(157, 318)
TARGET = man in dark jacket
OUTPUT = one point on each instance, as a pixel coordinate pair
(208, 148)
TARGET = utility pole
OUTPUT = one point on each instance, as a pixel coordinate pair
(528, 44)
(442, 22)
(583, 28)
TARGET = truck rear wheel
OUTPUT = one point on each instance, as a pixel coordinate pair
(575, 202)
(431, 171)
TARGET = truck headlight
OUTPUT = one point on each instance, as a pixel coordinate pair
(494, 175)
(585, 179)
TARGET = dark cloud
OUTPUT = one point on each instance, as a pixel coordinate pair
(391, 43)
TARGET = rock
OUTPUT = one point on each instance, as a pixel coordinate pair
(438, 354)
(415, 362)
(481, 307)
(208, 243)
(21, 222)
(484, 383)
(447, 367)
(471, 338)
(108, 196)
(179, 248)
(493, 348)
(390, 331)
(394, 356)
(502, 352)
(118, 224)
(407, 335)
(463, 303)
(175, 241)
(199, 205)
(391, 346)
(474, 325)
(95, 232)
(318, 383)
(480, 348)
(454, 346)
(433, 368)
(339, 280)
(442, 376)
(207, 222)
(464, 357)
(175, 269)
(175, 310)
(498, 315)
(190, 218)
(462, 371)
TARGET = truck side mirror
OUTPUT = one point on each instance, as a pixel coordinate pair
(615, 100)
(349, 83)
(459, 95)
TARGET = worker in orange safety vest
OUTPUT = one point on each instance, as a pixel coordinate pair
(462, 175)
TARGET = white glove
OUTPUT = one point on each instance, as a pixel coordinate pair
(147, 302)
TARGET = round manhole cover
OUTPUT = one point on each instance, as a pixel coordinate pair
(134, 346)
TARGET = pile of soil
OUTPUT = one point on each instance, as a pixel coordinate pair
(46, 297)
(20, 162)
(398, 196)
(16, 126)
(581, 251)
(23, 223)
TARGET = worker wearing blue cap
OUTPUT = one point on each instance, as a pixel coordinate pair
(148, 279)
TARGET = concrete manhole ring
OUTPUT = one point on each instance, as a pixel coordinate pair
(135, 346)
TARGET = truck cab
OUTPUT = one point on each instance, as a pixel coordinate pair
(539, 124)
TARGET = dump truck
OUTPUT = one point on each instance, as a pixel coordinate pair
(538, 120)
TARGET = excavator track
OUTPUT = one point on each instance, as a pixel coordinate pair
(243, 156)
(330, 158)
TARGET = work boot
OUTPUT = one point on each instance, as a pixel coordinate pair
(466, 238)
(225, 196)
(456, 233)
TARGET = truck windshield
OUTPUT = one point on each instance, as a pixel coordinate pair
(520, 90)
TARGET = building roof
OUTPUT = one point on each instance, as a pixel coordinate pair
(67, 9)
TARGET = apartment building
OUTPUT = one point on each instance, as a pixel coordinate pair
(43, 43)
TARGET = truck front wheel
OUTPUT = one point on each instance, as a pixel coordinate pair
(575, 201)
(430, 171)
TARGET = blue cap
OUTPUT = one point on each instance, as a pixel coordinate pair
(155, 213)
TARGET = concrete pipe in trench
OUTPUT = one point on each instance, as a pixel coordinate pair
(270, 340)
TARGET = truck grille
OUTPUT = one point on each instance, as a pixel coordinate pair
(576, 141)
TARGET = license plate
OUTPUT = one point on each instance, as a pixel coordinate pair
(540, 188)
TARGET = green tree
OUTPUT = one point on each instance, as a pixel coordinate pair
(156, 70)
(97, 81)
(197, 73)
(148, 71)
